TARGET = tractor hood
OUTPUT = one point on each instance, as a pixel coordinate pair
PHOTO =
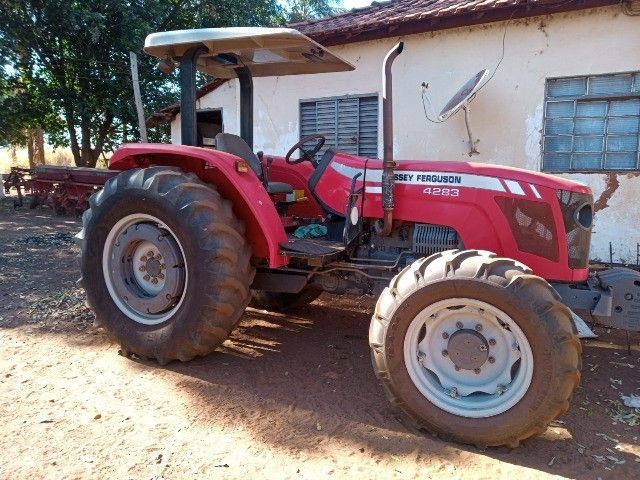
(417, 181)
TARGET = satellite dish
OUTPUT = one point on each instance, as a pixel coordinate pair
(464, 95)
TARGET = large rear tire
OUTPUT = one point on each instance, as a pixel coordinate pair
(164, 263)
(475, 348)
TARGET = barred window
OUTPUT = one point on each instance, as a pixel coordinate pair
(592, 123)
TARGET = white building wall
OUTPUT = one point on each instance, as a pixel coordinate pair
(506, 115)
(223, 97)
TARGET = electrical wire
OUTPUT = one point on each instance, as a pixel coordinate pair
(424, 107)
(626, 6)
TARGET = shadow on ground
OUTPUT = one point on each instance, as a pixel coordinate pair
(300, 380)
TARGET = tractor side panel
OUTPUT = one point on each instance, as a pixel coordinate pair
(488, 211)
(251, 203)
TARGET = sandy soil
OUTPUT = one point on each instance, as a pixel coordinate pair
(289, 396)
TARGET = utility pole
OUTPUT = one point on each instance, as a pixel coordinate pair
(137, 97)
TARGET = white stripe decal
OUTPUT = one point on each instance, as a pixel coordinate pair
(373, 189)
(535, 191)
(514, 187)
(425, 177)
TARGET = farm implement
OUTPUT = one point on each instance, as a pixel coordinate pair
(65, 189)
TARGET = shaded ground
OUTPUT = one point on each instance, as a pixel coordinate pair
(287, 397)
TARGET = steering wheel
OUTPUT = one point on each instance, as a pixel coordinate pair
(307, 155)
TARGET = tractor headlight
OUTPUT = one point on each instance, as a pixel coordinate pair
(584, 215)
(577, 213)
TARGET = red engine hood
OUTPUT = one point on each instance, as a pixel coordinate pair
(461, 195)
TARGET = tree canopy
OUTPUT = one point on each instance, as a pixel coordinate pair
(65, 63)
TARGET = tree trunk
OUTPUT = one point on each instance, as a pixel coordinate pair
(30, 148)
(38, 146)
(35, 147)
(13, 153)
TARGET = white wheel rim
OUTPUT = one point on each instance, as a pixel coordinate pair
(496, 385)
(151, 290)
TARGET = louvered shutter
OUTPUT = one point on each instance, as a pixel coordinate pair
(349, 124)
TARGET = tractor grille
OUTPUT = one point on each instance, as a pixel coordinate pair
(532, 225)
(577, 213)
(430, 239)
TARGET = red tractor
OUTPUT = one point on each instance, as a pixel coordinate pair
(478, 268)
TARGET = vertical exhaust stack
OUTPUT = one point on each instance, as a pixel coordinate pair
(387, 139)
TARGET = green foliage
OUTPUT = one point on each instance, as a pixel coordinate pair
(66, 64)
(301, 10)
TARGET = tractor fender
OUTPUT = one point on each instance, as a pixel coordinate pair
(251, 203)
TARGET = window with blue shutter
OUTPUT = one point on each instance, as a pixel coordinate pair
(592, 123)
(349, 123)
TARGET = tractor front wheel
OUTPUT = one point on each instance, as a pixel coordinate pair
(475, 348)
(164, 263)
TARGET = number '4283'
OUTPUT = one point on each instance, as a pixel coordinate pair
(442, 191)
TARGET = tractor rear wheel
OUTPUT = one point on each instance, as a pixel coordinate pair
(475, 348)
(281, 302)
(164, 263)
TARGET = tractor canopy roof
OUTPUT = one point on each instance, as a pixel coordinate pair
(265, 52)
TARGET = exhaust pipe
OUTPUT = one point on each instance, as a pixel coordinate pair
(388, 164)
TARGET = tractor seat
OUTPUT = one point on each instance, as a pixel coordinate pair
(235, 145)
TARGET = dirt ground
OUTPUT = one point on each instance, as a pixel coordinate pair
(288, 396)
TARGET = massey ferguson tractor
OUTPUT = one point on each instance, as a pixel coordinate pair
(480, 270)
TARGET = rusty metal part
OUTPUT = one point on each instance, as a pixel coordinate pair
(65, 189)
(20, 180)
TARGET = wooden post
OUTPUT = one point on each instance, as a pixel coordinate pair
(137, 97)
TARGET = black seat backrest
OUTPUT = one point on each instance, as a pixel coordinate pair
(320, 168)
(235, 145)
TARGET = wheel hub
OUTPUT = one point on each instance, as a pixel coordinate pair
(154, 267)
(468, 357)
(144, 269)
(468, 349)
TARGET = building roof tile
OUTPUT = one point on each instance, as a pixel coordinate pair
(403, 17)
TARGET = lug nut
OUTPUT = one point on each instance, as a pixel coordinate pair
(445, 353)
(459, 325)
(492, 341)
(150, 254)
(143, 258)
(491, 360)
(161, 276)
(476, 371)
(146, 277)
(445, 335)
(154, 280)
(478, 328)
(142, 268)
